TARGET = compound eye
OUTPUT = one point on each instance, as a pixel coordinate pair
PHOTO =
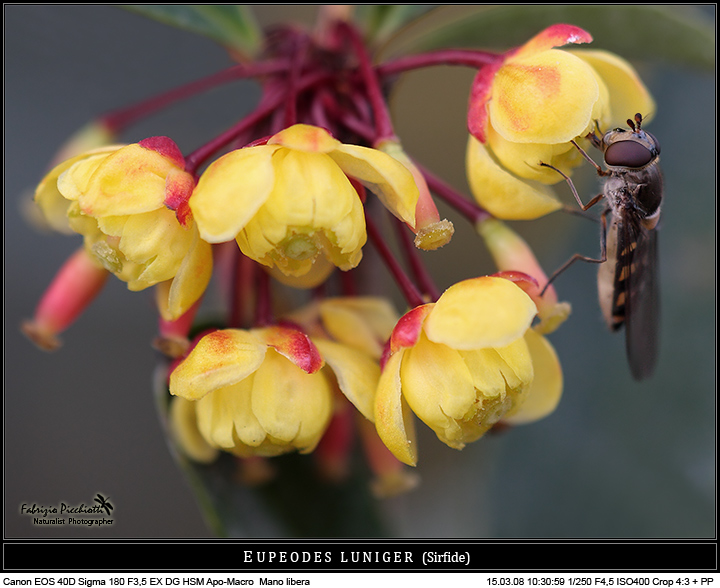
(628, 154)
(655, 142)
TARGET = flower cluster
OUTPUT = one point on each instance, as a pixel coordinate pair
(289, 198)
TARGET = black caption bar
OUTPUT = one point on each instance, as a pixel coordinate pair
(360, 556)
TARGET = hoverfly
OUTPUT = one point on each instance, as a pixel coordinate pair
(628, 286)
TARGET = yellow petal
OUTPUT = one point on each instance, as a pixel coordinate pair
(481, 312)
(383, 175)
(73, 176)
(184, 427)
(51, 201)
(130, 180)
(627, 93)
(502, 194)
(357, 374)
(546, 388)
(230, 192)
(305, 138)
(312, 210)
(191, 279)
(310, 191)
(544, 98)
(292, 406)
(220, 359)
(156, 240)
(316, 275)
(364, 322)
(225, 417)
(438, 387)
(485, 367)
(523, 159)
(393, 418)
(519, 372)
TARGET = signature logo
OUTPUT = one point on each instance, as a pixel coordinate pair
(104, 503)
(89, 515)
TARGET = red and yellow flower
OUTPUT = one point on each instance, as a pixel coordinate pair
(464, 363)
(130, 204)
(527, 108)
(269, 391)
(291, 205)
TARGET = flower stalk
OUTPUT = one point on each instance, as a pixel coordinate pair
(74, 287)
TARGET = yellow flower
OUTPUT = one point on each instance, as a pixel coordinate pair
(528, 108)
(291, 205)
(130, 204)
(464, 363)
(269, 391)
(512, 254)
(361, 322)
(53, 205)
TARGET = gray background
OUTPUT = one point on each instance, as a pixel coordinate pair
(617, 459)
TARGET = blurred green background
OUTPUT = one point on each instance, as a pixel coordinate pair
(617, 459)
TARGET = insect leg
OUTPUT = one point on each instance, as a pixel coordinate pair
(589, 159)
(585, 207)
(578, 257)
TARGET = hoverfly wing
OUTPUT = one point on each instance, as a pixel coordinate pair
(637, 288)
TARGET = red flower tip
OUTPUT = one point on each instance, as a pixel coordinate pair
(407, 330)
(296, 346)
(165, 147)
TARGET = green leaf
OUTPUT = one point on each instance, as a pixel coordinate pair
(683, 35)
(380, 21)
(297, 502)
(231, 25)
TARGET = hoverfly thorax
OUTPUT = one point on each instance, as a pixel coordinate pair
(632, 157)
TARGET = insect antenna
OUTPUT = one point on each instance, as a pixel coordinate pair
(635, 126)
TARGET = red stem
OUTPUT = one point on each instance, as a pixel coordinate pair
(416, 265)
(120, 119)
(471, 211)
(299, 50)
(383, 122)
(263, 304)
(199, 156)
(410, 292)
(462, 57)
